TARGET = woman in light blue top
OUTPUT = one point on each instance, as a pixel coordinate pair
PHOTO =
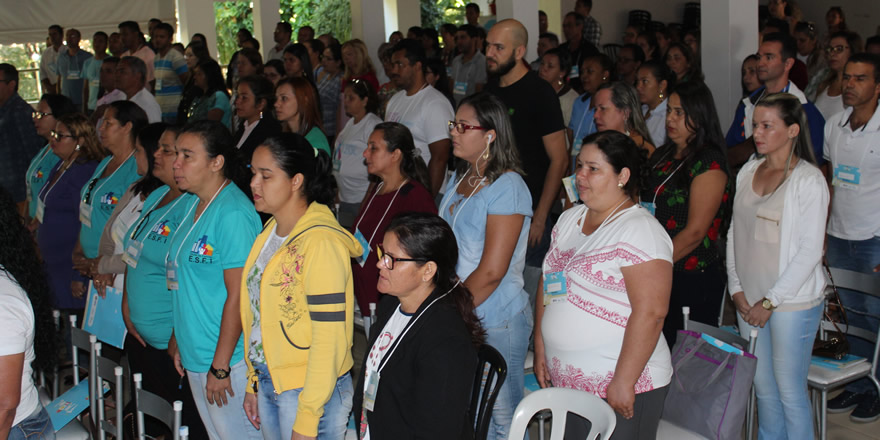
(595, 71)
(49, 108)
(203, 270)
(99, 197)
(489, 207)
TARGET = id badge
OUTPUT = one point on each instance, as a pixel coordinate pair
(650, 206)
(365, 245)
(85, 214)
(555, 290)
(117, 231)
(41, 211)
(846, 176)
(158, 83)
(73, 75)
(370, 393)
(132, 253)
(95, 83)
(460, 88)
(574, 72)
(171, 275)
(570, 185)
(576, 147)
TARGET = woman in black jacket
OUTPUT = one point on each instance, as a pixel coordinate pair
(424, 343)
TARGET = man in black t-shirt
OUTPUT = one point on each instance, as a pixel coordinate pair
(538, 127)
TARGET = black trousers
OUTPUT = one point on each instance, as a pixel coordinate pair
(701, 291)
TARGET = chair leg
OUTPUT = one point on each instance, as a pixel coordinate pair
(750, 415)
(823, 408)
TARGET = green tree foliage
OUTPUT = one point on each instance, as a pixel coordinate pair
(437, 12)
(230, 16)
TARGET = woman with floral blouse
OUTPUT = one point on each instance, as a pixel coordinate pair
(687, 191)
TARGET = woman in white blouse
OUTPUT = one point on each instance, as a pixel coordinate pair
(774, 250)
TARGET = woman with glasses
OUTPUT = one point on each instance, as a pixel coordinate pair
(45, 116)
(390, 156)
(75, 143)
(203, 270)
(100, 196)
(297, 108)
(829, 93)
(297, 297)
(490, 209)
(416, 380)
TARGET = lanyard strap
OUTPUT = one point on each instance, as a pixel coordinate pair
(604, 222)
(98, 189)
(386, 209)
(196, 222)
(137, 229)
(454, 192)
(410, 325)
(657, 190)
(45, 195)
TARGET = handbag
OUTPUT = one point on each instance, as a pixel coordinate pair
(835, 344)
(710, 387)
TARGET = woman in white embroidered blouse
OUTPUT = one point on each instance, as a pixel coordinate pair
(608, 273)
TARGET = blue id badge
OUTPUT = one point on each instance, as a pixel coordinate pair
(364, 244)
(846, 176)
(460, 88)
(132, 253)
(570, 185)
(576, 147)
(650, 206)
(574, 72)
(555, 289)
(171, 275)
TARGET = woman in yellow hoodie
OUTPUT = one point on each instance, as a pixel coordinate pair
(297, 297)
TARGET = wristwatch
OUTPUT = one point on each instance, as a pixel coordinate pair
(767, 304)
(219, 373)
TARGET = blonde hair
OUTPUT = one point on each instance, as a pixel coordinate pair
(80, 128)
(364, 64)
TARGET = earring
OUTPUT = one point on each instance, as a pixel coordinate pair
(619, 185)
(604, 78)
(661, 94)
(77, 148)
(261, 113)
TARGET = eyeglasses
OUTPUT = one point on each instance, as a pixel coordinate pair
(461, 127)
(40, 115)
(835, 49)
(388, 261)
(58, 136)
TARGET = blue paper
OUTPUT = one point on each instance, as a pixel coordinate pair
(70, 404)
(103, 317)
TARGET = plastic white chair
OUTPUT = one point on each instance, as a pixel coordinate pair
(561, 401)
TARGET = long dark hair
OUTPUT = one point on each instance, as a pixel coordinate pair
(700, 118)
(149, 139)
(398, 137)
(295, 155)
(19, 259)
(695, 72)
(429, 237)
(213, 77)
(299, 50)
(218, 142)
(492, 115)
(127, 111)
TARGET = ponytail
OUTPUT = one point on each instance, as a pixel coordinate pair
(398, 137)
(295, 155)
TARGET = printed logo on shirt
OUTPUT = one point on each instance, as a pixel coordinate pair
(38, 174)
(201, 252)
(161, 228)
(109, 199)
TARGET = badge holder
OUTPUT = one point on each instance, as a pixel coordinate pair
(171, 275)
(365, 245)
(41, 211)
(846, 176)
(85, 214)
(570, 185)
(370, 393)
(132, 253)
(555, 289)
(460, 88)
(650, 206)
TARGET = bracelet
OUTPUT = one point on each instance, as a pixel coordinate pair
(220, 373)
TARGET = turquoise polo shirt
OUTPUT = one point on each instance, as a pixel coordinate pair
(221, 240)
(103, 197)
(149, 300)
(38, 175)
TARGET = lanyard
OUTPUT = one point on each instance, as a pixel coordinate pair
(386, 209)
(409, 326)
(604, 222)
(657, 190)
(196, 222)
(87, 198)
(412, 103)
(137, 229)
(45, 195)
(454, 192)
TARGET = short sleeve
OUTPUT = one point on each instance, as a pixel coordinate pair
(736, 133)
(435, 123)
(643, 240)
(179, 65)
(17, 318)
(509, 195)
(817, 130)
(238, 229)
(220, 102)
(709, 158)
(550, 113)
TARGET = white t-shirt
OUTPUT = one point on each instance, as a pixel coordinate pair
(829, 105)
(348, 158)
(384, 342)
(426, 114)
(255, 346)
(854, 158)
(49, 63)
(145, 100)
(17, 336)
(583, 334)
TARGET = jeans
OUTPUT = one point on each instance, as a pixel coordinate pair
(36, 427)
(278, 411)
(228, 422)
(863, 310)
(784, 348)
(511, 339)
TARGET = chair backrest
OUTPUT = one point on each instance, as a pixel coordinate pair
(720, 334)
(561, 401)
(155, 406)
(639, 17)
(106, 369)
(80, 341)
(611, 50)
(490, 375)
(863, 283)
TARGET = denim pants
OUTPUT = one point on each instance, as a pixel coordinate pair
(863, 310)
(278, 411)
(230, 421)
(36, 427)
(784, 348)
(511, 339)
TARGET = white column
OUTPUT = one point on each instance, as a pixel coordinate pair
(526, 12)
(409, 14)
(729, 27)
(266, 16)
(197, 16)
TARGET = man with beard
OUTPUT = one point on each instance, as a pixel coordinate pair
(539, 130)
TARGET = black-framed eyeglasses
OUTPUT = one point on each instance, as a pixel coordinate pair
(58, 136)
(388, 260)
(40, 115)
(88, 197)
(835, 49)
(461, 127)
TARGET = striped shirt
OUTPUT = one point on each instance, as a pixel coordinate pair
(168, 69)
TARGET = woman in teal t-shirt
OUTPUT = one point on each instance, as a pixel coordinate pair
(122, 121)
(214, 103)
(203, 271)
(296, 106)
(48, 110)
